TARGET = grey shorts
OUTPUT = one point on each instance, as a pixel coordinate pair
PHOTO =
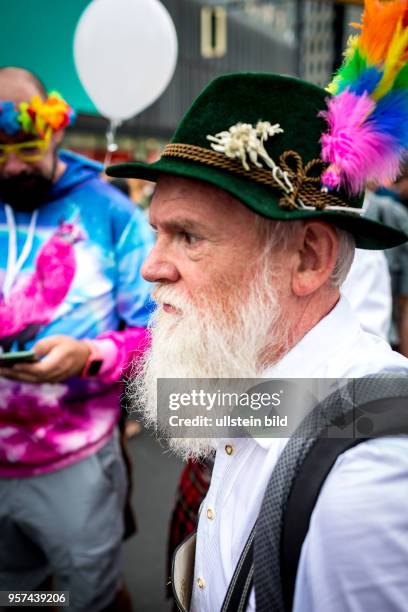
(68, 523)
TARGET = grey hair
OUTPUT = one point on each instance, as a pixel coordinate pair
(281, 234)
(345, 256)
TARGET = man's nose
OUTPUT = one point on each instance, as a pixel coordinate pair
(13, 165)
(157, 268)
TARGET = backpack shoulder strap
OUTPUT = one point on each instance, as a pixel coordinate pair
(391, 418)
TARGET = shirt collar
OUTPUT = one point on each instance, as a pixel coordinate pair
(310, 357)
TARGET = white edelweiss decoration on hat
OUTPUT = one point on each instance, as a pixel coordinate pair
(243, 140)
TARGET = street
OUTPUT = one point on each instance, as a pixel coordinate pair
(155, 473)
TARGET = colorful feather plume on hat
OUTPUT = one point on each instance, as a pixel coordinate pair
(368, 116)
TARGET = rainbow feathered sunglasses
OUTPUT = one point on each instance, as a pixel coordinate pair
(37, 116)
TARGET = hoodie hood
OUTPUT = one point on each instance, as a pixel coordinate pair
(79, 170)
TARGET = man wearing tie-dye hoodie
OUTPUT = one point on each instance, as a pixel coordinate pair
(71, 248)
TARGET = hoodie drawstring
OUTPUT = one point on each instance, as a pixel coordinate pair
(15, 264)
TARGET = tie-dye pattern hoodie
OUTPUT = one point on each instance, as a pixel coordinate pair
(72, 268)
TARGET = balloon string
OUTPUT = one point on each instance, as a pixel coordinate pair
(111, 145)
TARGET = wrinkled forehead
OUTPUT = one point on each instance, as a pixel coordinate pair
(199, 201)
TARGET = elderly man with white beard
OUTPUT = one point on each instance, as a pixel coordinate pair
(253, 244)
(234, 292)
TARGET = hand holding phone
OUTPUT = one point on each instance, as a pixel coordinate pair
(7, 360)
(58, 359)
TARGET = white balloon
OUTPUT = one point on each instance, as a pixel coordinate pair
(125, 53)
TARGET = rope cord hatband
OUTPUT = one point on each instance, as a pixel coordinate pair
(301, 189)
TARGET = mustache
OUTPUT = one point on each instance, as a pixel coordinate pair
(23, 177)
(166, 294)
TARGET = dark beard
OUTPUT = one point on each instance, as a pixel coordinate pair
(26, 191)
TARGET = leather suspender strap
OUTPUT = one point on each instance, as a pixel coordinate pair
(391, 418)
(236, 599)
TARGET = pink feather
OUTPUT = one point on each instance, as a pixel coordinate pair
(357, 152)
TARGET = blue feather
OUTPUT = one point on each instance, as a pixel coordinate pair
(391, 116)
(367, 81)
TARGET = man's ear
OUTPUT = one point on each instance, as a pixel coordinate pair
(317, 248)
(57, 137)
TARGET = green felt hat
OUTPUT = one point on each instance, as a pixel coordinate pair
(282, 180)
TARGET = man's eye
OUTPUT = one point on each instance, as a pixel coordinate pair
(30, 150)
(188, 238)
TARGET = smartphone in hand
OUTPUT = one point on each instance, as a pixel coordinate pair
(7, 360)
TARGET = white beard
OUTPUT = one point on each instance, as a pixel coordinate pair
(215, 339)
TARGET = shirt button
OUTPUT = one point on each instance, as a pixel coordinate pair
(200, 583)
(229, 449)
(210, 514)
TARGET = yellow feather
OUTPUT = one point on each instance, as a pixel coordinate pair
(332, 87)
(395, 60)
(352, 43)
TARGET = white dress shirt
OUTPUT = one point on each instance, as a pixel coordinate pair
(355, 555)
(368, 291)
